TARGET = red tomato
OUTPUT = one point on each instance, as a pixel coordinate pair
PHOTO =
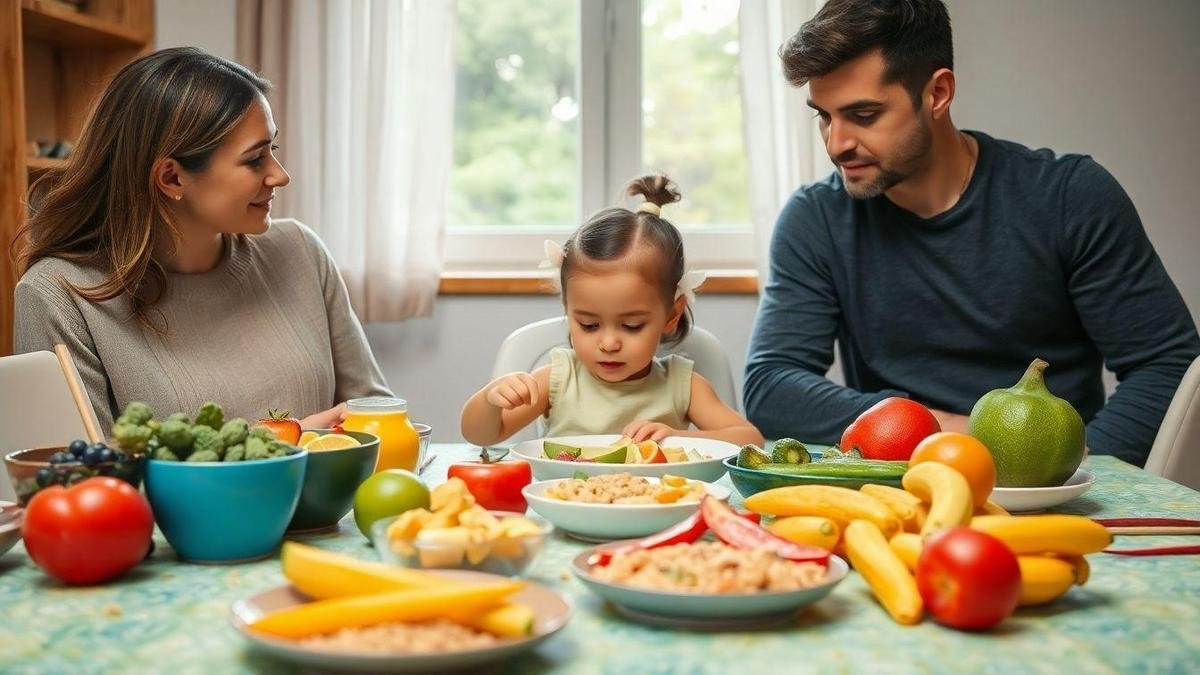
(968, 579)
(890, 429)
(90, 532)
(495, 485)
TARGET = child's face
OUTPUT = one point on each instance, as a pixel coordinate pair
(616, 320)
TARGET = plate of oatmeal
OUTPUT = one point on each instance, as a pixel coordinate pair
(707, 584)
(618, 505)
(418, 647)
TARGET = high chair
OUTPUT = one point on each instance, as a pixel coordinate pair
(1174, 453)
(37, 407)
(528, 348)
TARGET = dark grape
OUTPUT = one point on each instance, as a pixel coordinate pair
(77, 447)
(45, 476)
(61, 458)
(107, 455)
(91, 456)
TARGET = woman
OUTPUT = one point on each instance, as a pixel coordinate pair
(153, 257)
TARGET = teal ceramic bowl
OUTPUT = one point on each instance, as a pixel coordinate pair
(330, 481)
(751, 481)
(225, 512)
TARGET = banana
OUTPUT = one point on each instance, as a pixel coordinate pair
(1050, 533)
(946, 491)
(991, 508)
(1044, 578)
(1083, 571)
(839, 504)
(907, 546)
(884, 572)
(811, 530)
(902, 503)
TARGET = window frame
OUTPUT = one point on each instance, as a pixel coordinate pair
(610, 154)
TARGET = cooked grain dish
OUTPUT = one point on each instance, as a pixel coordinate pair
(623, 488)
(403, 638)
(709, 567)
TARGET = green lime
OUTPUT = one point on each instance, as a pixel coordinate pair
(388, 493)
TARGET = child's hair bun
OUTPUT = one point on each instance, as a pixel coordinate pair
(657, 189)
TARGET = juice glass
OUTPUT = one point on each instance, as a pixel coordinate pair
(387, 418)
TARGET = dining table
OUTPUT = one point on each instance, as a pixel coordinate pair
(1135, 614)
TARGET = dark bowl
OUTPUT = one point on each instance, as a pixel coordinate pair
(752, 481)
(23, 466)
(332, 478)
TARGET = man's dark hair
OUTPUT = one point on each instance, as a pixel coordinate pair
(914, 36)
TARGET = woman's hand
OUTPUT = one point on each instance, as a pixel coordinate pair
(642, 430)
(325, 419)
(513, 391)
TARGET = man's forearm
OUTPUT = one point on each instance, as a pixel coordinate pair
(792, 402)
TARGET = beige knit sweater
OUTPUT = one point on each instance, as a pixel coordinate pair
(269, 327)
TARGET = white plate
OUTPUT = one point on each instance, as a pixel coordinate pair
(611, 521)
(551, 613)
(708, 470)
(714, 610)
(1038, 498)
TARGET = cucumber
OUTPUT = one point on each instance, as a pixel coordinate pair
(846, 469)
(790, 451)
(751, 457)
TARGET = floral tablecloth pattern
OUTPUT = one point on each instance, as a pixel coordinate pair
(1134, 615)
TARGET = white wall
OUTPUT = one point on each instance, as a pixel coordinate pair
(1116, 79)
(209, 24)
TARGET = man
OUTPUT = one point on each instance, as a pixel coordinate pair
(944, 261)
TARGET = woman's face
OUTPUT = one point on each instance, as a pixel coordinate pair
(233, 193)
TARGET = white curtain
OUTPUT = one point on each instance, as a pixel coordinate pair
(783, 145)
(364, 102)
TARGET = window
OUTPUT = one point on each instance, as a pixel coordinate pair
(560, 103)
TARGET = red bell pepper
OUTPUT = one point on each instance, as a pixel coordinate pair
(684, 532)
(741, 532)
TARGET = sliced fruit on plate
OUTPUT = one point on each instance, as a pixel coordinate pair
(556, 450)
(306, 437)
(650, 453)
(609, 455)
(675, 454)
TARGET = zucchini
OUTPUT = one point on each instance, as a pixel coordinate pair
(790, 451)
(845, 469)
(751, 457)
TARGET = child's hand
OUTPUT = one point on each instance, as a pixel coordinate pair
(513, 391)
(642, 430)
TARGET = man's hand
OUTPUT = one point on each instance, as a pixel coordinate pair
(950, 421)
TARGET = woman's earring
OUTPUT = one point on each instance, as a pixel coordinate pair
(178, 197)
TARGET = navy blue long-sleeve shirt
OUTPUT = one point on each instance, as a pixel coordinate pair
(1042, 256)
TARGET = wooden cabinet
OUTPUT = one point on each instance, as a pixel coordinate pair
(55, 59)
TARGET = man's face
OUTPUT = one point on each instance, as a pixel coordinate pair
(871, 130)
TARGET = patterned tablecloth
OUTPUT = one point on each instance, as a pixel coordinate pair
(1134, 615)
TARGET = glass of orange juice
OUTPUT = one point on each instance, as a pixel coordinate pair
(387, 418)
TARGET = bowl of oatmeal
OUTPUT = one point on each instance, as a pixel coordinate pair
(617, 506)
(707, 581)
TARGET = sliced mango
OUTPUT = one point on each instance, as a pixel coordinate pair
(321, 575)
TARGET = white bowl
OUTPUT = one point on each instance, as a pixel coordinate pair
(1038, 498)
(611, 521)
(707, 470)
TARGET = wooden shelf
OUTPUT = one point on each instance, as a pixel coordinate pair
(39, 164)
(60, 25)
(719, 282)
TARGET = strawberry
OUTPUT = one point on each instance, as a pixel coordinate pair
(285, 427)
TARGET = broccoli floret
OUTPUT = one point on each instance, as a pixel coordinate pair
(132, 437)
(137, 413)
(210, 415)
(176, 435)
(235, 453)
(206, 439)
(165, 454)
(154, 425)
(256, 448)
(234, 431)
(262, 433)
(204, 456)
(278, 448)
(179, 417)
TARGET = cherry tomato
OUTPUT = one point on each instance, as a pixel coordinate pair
(968, 579)
(90, 532)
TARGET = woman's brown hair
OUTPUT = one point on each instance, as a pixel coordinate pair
(612, 233)
(102, 209)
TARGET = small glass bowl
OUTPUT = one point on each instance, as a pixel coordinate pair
(508, 557)
(23, 466)
(424, 433)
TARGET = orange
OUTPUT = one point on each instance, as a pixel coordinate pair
(964, 453)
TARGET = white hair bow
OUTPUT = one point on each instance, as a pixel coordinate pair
(688, 284)
(554, 256)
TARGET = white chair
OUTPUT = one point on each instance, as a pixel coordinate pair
(529, 346)
(36, 407)
(1176, 450)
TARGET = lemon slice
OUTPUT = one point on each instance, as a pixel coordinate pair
(330, 442)
(305, 438)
